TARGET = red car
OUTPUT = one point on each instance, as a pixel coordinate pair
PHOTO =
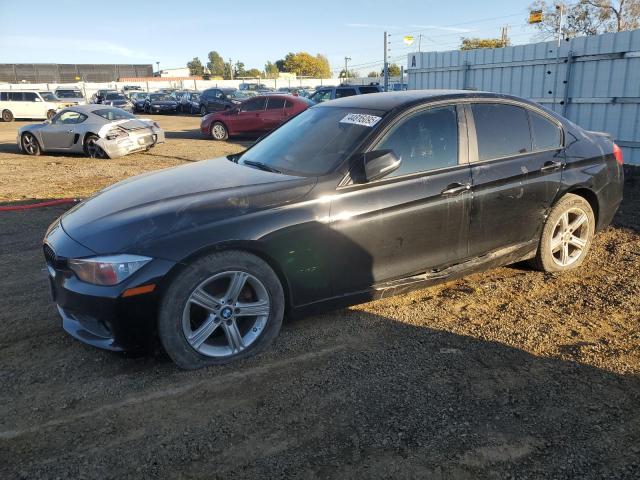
(255, 116)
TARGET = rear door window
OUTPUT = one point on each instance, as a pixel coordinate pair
(15, 96)
(502, 130)
(545, 134)
(345, 92)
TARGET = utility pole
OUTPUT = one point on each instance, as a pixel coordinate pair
(386, 65)
(346, 71)
(158, 64)
(230, 70)
(505, 36)
(560, 8)
(419, 42)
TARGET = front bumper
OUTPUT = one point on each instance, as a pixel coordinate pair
(163, 109)
(135, 142)
(100, 315)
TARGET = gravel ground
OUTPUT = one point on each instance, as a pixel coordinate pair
(510, 373)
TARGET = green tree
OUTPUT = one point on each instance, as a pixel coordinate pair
(304, 64)
(394, 71)
(238, 70)
(254, 73)
(195, 67)
(216, 65)
(227, 72)
(475, 43)
(280, 64)
(587, 17)
(271, 70)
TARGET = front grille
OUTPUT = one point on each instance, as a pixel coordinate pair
(49, 255)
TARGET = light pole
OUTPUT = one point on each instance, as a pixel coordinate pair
(346, 71)
(158, 65)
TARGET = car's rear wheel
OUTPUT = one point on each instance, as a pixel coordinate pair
(7, 116)
(51, 114)
(30, 144)
(92, 149)
(566, 235)
(219, 131)
(225, 306)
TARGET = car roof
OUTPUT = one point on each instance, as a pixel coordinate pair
(92, 107)
(385, 101)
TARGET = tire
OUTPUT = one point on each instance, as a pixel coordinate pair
(203, 111)
(91, 149)
(219, 131)
(566, 235)
(30, 144)
(184, 310)
(7, 116)
(51, 114)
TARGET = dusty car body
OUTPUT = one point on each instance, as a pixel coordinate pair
(97, 130)
(351, 200)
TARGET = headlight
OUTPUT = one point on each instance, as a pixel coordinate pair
(107, 270)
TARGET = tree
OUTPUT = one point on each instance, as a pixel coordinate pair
(350, 74)
(373, 74)
(253, 73)
(394, 71)
(280, 64)
(474, 43)
(216, 65)
(306, 65)
(238, 70)
(587, 17)
(271, 70)
(195, 67)
(226, 71)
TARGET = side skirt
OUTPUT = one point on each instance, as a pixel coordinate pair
(504, 256)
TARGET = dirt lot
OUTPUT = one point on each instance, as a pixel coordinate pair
(506, 374)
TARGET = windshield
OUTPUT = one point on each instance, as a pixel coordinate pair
(48, 96)
(159, 97)
(314, 142)
(68, 94)
(113, 114)
(115, 96)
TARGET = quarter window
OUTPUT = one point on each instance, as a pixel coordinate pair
(427, 140)
(545, 134)
(502, 130)
(4, 96)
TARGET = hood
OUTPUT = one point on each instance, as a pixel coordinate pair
(133, 214)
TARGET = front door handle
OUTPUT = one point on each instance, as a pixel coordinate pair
(551, 166)
(456, 188)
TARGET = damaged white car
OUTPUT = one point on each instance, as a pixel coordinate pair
(98, 131)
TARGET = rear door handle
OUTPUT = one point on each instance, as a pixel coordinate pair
(551, 166)
(456, 188)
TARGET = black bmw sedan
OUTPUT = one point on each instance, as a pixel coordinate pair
(352, 199)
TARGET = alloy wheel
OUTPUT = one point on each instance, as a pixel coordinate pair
(29, 144)
(218, 131)
(570, 237)
(94, 150)
(225, 314)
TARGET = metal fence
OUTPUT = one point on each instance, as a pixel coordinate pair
(593, 81)
(67, 73)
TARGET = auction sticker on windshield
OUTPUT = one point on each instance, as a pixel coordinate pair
(361, 119)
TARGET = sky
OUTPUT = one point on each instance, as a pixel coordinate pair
(172, 33)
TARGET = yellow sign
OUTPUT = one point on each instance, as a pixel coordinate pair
(408, 39)
(77, 78)
(535, 16)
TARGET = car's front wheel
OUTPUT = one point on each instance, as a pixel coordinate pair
(30, 144)
(203, 110)
(225, 306)
(219, 131)
(566, 235)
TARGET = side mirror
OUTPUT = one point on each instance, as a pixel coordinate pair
(374, 165)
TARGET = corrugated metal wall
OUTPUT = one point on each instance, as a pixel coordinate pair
(593, 81)
(67, 73)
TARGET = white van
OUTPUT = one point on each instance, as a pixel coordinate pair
(29, 104)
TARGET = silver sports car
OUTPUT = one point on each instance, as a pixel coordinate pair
(100, 131)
